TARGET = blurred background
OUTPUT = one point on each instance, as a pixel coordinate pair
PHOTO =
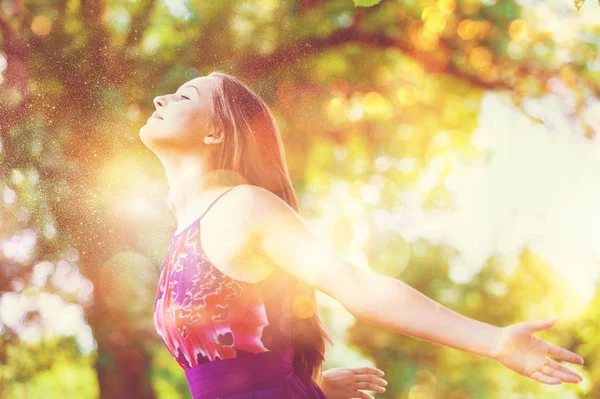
(451, 144)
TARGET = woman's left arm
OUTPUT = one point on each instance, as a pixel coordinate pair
(347, 383)
(286, 240)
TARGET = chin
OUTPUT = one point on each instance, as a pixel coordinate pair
(150, 125)
(148, 131)
(154, 133)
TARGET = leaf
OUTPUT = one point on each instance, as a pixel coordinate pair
(365, 3)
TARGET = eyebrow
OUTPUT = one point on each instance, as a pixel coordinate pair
(183, 87)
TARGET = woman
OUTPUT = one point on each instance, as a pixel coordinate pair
(175, 143)
(238, 282)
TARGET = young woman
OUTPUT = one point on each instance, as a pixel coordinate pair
(235, 303)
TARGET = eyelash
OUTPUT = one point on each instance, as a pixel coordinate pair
(182, 96)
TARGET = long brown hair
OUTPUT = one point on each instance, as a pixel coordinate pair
(253, 149)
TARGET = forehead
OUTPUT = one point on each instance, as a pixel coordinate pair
(202, 83)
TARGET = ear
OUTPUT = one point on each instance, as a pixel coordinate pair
(216, 132)
(214, 138)
(218, 135)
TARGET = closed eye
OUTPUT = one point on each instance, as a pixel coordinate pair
(182, 96)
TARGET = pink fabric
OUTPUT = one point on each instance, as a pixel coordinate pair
(219, 328)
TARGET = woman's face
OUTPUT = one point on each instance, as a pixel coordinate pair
(181, 119)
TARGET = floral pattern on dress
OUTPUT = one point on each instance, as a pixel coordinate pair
(202, 314)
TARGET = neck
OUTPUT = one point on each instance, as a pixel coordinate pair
(189, 177)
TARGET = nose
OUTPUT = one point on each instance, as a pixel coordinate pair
(159, 101)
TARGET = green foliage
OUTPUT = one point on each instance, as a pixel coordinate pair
(52, 368)
(167, 379)
(366, 97)
(366, 3)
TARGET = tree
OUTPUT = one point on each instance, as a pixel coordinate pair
(78, 81)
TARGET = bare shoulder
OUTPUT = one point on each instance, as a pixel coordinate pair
(256, 206)
(264, 197)
(245, 207)
(259, 195)
(286, 240)
(229, 236)
(272, 234)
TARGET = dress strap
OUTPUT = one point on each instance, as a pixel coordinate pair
(210, 206)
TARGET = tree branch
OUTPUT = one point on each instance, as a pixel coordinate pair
(98, 39)
(257, 67)
(138, 24)
(8, 35)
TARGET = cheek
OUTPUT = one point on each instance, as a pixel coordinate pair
(184, 119)
(175, 122)
(195, 119)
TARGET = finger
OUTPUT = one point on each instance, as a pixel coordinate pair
(370, 387)
(563, 354)
(368, 370)
(362, 395)
(564, 377)
(370, 378)
(539, 325)
(557, 366)
(544, 378)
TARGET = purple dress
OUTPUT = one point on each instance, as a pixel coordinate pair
(232, 338)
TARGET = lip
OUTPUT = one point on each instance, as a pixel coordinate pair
(156, 115)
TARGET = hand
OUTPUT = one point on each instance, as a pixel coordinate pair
(344, 383)
(518, 349)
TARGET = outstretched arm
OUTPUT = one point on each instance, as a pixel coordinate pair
(285, 239)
